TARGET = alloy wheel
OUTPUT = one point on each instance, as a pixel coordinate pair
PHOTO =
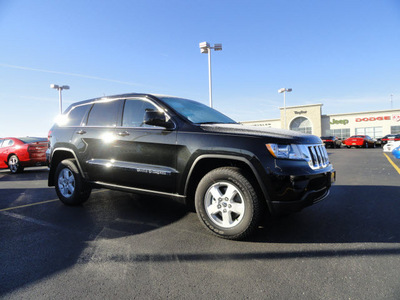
(224, 204)
(13, 164)
(66, 183)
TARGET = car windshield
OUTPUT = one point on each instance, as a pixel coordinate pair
(358, 136)
(196, 112)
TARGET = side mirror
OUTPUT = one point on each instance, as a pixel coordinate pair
(157, 118)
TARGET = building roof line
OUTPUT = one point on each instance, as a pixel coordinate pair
(363, 112)
(305, 105)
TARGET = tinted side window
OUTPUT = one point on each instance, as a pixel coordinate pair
(134, 113)
(104, 114)
(76, 114)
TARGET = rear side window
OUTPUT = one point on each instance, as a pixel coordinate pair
(104, 114)
(76, 115)
(7, 143)
(134, 113)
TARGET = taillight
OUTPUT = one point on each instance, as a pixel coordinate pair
(328, 140)
(32, 148)
(49, 135)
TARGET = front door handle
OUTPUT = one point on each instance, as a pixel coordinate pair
(123, 133)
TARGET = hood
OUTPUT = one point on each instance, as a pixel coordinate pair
(274, 133)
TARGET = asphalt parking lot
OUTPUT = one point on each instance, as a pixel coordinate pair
(124, 246)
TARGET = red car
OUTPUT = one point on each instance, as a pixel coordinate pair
(18, 153)
(359, 141)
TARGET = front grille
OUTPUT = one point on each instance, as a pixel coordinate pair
(316, 156)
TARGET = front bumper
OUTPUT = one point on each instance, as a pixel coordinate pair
(293, 193)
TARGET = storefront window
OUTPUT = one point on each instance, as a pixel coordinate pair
(301, 124)
(374, 132)
(342, 133)
(395, 130)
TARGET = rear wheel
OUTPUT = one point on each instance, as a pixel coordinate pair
(70, 186)
(227, 203)
(14, 164)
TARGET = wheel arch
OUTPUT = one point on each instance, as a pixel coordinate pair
(58, 156)
(205, 163)
(9, 155)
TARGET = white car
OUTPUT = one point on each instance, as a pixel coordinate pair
(390, 146)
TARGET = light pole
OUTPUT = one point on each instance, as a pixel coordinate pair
(391, 101)
(206, 48)
(284, 90)
(59, 88)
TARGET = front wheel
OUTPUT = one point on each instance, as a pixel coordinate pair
(14, 164)
(227, 203)
(70, 186)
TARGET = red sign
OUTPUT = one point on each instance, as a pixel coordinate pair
(370, 119)
(396, 117)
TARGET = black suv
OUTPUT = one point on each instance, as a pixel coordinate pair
(178, 148)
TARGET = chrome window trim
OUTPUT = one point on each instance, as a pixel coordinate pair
(100, 100)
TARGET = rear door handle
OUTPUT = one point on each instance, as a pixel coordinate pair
(81, 132)
(123, 133)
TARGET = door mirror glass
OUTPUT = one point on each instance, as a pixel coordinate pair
(157, 118)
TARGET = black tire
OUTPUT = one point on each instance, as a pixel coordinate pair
(14, 164)
(227, 203)
(70, 186)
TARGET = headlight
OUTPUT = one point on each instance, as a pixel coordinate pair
(314, 154)
(285, 151)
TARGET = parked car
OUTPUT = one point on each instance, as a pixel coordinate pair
(18, 153)
(359, 141)
(390, 137)
(378, 142)
(396, 152)
(172, 147)
(390, 145)
(331, 141)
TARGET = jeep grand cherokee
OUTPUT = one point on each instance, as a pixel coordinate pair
(233, 175)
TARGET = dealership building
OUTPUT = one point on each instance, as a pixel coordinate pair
(309, 119)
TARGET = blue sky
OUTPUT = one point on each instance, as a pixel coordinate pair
(343, 54)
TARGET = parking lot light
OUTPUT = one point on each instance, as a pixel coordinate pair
(284, 90)
(59, 88)
(206, 48)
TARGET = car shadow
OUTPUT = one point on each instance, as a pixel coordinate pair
(33, 173)
(41, 236)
